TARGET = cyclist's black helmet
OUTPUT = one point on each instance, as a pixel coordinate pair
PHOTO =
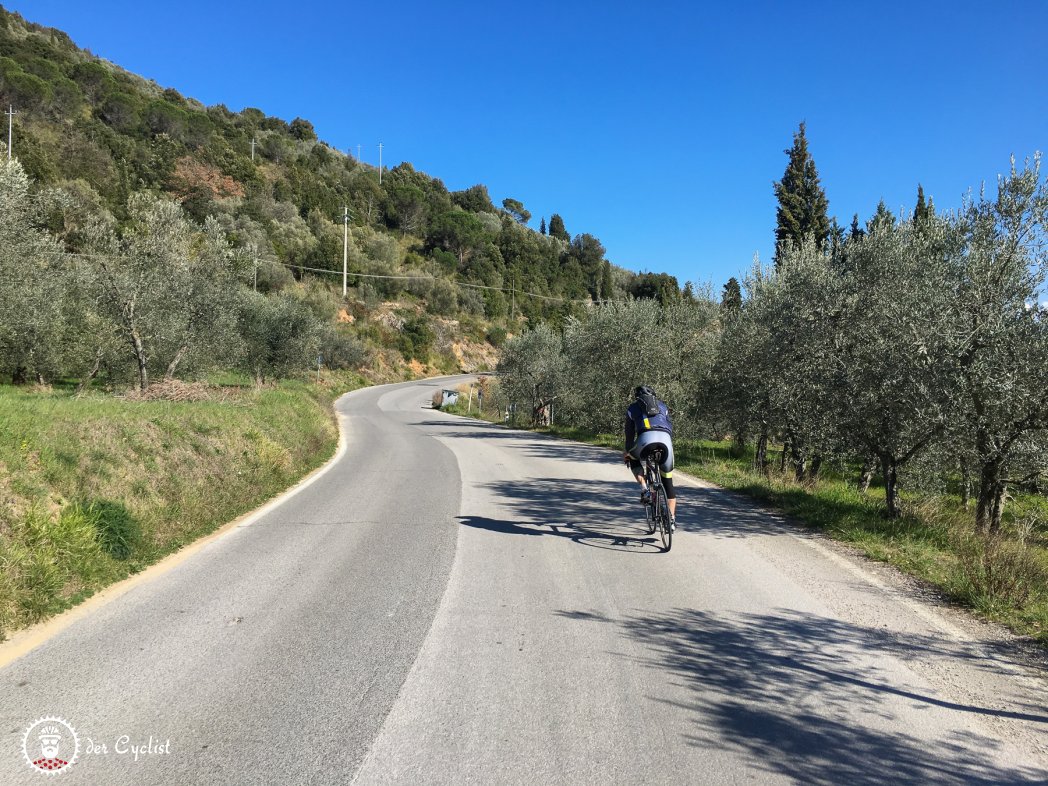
(646, 396)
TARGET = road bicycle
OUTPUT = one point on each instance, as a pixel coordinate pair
(657, 511)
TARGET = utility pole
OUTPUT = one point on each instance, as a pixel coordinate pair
(254, 254)
(345, 248)
(358, 154)
(10, 120)
(252, 149)
(380, 163)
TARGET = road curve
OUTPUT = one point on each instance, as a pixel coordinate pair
(452, 602)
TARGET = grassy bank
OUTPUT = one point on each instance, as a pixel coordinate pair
(1004, 579)
(95, 488)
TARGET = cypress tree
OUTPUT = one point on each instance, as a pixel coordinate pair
(803, 207)
(542, 226)
(557, 229)
(924, 210)
(857, 232)
(607, 286)
(731, 300)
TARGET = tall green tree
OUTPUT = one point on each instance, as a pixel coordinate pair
(920, 213)
(731, 300)
(856, 232)
(803, 206)
(557, 229)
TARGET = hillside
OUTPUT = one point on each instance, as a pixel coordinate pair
(97, 136)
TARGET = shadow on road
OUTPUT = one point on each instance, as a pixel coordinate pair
(628, 538)
(606, 506)
(811, 698)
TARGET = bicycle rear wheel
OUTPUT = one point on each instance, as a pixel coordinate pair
(665, 531)
(651, 509)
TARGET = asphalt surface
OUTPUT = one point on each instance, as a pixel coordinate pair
(453, 602)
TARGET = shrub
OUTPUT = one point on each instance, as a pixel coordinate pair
(496, 336)
(415, 339)
(996, 572)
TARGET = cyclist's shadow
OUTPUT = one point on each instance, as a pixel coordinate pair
(620, 538)
(599, 513)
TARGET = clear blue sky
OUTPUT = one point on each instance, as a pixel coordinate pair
(658, 127)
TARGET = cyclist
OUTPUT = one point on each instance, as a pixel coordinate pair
(648, 427)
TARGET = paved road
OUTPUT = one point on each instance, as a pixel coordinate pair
(457, 603)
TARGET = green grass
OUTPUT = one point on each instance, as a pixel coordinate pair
(1004, 580)
(97, 488)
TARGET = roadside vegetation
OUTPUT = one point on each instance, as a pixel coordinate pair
(97, 487)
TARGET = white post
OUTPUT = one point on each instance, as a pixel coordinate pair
(252, 149)
(469, 406)
(345, 248)
(10, 119)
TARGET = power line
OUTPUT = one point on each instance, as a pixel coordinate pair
(511, 290)
(293, 266)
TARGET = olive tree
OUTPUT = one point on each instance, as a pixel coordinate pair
(169, 289)
(1002, 337)
(532, 368)
(617, 346)
(800, 308)
(33, 279)
(280, 335)
(894, 354)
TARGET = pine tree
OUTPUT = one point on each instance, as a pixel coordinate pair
(542, 226)
(803, 205)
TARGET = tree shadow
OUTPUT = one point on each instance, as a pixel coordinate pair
(533, 444)
(818, 699)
